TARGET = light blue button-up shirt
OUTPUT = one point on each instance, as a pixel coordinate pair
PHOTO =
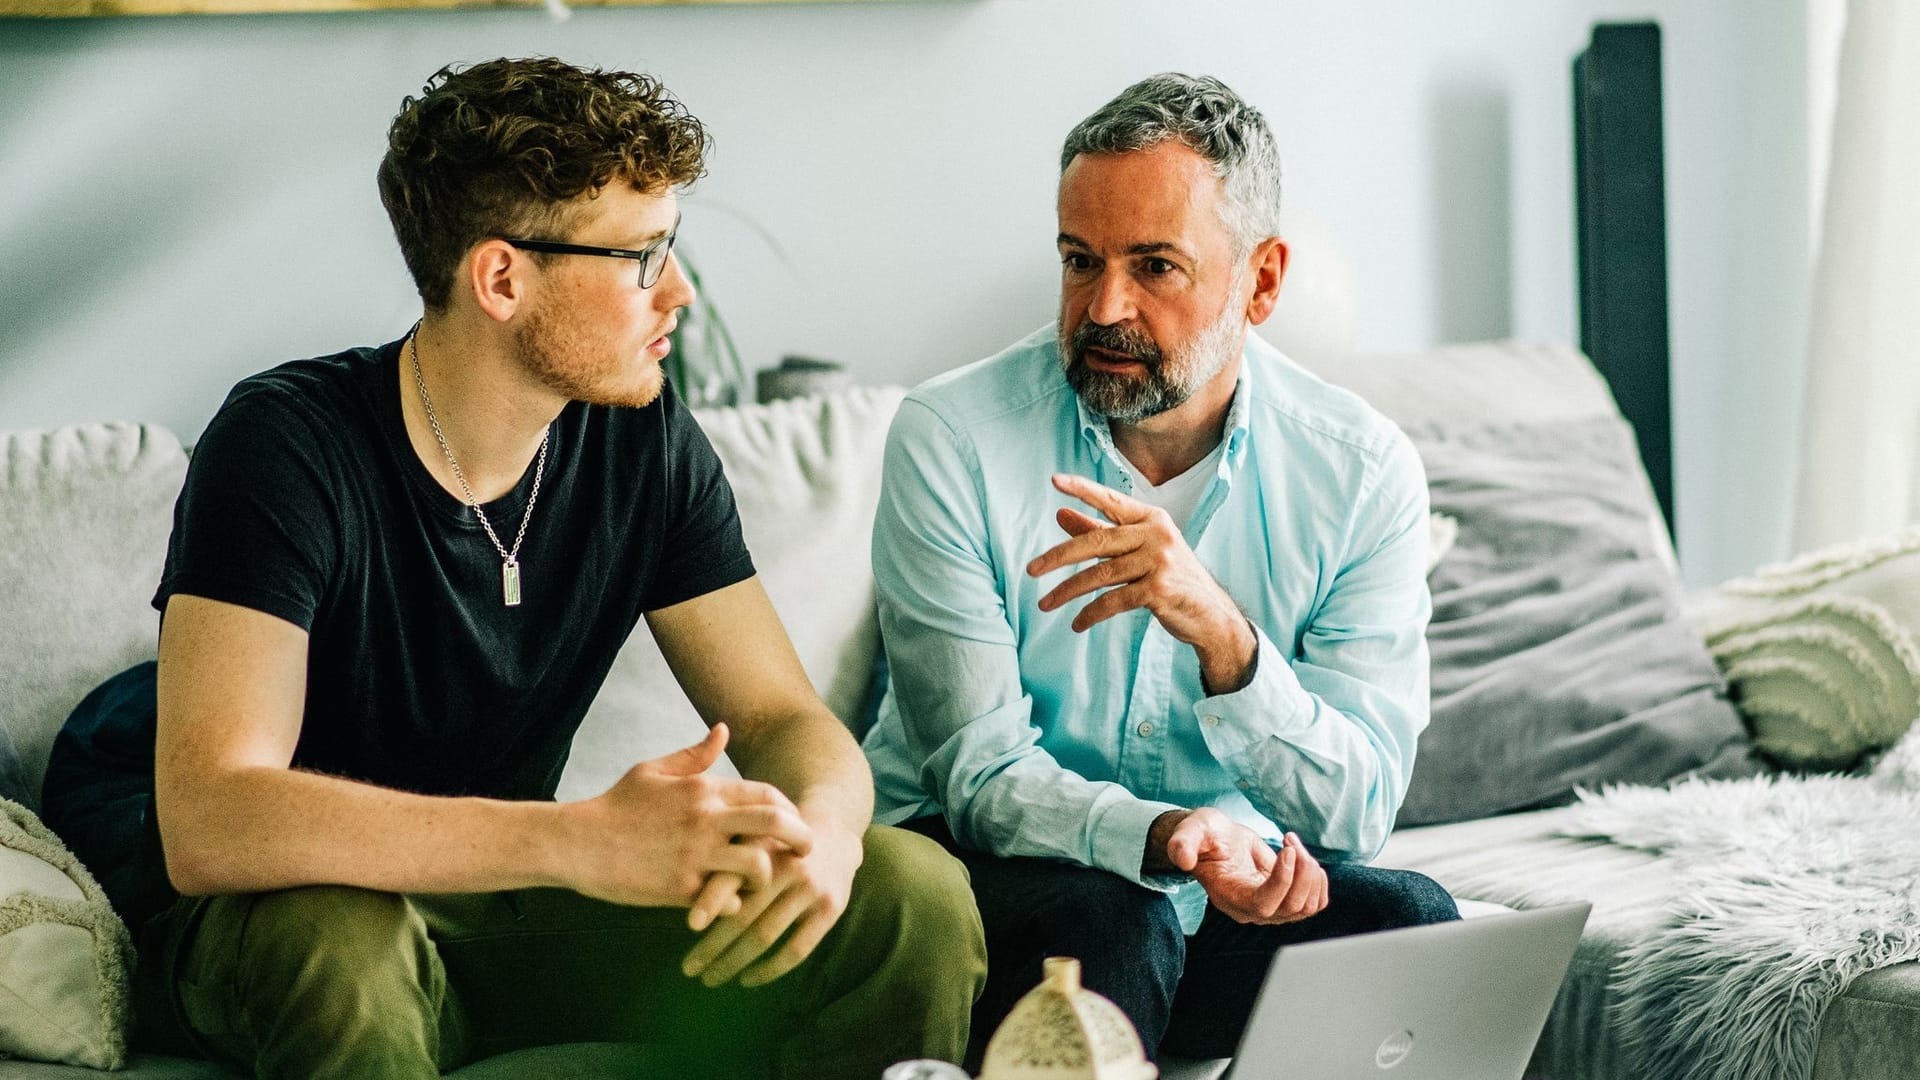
(1033, 740)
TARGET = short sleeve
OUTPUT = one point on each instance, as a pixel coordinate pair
(703, 548)
(255, 524)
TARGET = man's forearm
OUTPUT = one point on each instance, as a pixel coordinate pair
(814, 759)
(261, 828)
(1228, 662)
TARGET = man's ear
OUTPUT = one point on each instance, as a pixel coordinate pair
(496, 276)
(1269, 265)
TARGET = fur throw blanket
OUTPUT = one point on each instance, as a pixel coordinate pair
(1791, 887)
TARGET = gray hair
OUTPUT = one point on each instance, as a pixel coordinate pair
(1207, 118)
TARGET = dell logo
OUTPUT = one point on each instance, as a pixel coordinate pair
(1394, 1050)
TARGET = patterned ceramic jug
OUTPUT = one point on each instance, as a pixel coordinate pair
(1062, 1031)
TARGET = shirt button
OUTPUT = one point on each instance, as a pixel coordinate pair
(1210, 720)
(1243, 783)
(1145, 728)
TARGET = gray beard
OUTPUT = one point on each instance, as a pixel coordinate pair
(1126, 398)
(1167, 384)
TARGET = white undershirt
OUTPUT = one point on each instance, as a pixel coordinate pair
(1180, 495)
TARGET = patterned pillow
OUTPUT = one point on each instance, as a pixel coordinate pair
(1821, 652)
(64, 955)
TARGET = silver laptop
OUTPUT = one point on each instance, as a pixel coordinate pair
(1454, 1001)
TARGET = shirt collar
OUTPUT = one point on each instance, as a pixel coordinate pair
(1238, 411)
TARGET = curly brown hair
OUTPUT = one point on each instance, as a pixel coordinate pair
(502, 148)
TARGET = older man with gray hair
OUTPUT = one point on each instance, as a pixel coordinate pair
(1154, 601)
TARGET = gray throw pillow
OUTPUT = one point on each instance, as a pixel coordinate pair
(1560, 654)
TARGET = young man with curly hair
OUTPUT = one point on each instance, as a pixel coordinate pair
(398, 576)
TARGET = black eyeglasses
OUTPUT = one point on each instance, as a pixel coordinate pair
(652, 258)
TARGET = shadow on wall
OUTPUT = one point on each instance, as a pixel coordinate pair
(115, 205)
(1472, 212)
(73, 217)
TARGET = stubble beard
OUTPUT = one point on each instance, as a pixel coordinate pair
(569, 363)
(1169, 381)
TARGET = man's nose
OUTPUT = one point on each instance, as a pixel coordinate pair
(674, 289)
(1113, 299)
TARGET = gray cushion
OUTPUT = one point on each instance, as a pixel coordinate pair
(1490, 382)
(1560, 654)
(84, 517)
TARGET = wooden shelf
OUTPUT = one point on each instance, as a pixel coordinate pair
(64, 9)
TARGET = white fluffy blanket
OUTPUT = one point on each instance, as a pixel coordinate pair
(1790, 888)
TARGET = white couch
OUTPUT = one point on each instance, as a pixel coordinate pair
(84, 518)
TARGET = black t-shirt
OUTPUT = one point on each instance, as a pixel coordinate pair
(305, 500)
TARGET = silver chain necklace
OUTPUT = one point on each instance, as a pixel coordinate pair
(509, 559)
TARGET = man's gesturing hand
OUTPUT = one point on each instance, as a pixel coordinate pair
(1144, 562)
(1243, 876)
(656, 835)
(805, 896)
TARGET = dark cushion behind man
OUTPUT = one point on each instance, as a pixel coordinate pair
(99, 793)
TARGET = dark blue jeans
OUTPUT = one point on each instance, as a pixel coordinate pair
(1189, 996)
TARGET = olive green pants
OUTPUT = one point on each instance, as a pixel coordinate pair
(332, 981)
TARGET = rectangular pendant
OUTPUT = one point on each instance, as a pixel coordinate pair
(510, 583)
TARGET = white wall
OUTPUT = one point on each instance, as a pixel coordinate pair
(186, 200)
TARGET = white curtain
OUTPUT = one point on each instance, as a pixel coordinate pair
(1860, 454)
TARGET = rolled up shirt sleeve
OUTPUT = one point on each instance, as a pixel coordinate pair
(1323, 742)
(954, 662)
